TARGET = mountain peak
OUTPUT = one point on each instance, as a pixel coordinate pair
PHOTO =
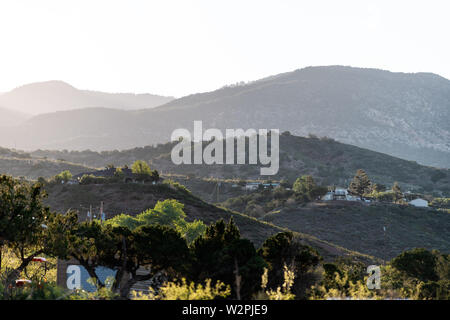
(43, 85)
(56, 95)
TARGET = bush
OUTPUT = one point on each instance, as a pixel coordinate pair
(185, 291)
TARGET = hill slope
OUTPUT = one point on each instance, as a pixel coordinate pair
(10, 117)
(360, 227)
(329, 161)
(135, 198)
(405, 115)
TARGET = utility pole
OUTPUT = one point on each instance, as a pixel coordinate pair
(218, 186)
(384, 241)
(101, 212)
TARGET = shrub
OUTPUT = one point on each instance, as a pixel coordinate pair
(186, 291)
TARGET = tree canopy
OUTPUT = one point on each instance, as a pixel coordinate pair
(360, 184)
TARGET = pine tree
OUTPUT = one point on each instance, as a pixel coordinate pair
(360, 184)
(398, 195)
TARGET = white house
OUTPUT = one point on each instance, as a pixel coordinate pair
(350, 197)
(328, 196)
(419, 203)
(252, 186)
(339, 194)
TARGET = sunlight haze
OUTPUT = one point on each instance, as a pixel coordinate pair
(176, 48)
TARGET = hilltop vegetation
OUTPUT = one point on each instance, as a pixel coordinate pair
(328, 161)
(32, 169)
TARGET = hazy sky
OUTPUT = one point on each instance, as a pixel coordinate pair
(182, 47)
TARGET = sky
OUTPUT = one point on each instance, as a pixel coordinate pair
(182, 47)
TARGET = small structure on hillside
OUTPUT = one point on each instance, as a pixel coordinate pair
(419, 202)
(339, 194)
(105, 173)
(255, 185)
(251, 186)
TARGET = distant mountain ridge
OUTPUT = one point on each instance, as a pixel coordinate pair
(11, 118)
(404, 115)
(51, 96)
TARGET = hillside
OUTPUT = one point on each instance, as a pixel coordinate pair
(51, 96)
(329, 161)
(135, 198)
(35, 168)
(360, 227)
(10, 117)
(405, 115)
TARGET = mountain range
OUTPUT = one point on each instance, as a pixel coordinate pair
(51, 96)
(404, 115)
(10, 117)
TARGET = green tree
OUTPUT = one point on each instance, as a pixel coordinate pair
(306, 187)
(220, 254)
(283, 250)
(417, 263)
(23, 219)
(64, 176)
(141, 167)
(169, 213)
(160, 248)
(304, 184)
(92, 244)
(360, 184)
(377, 187)
(398, 194)
(142, 171)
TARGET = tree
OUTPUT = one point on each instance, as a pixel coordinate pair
(118, 174)
(398, 195)
(377, 187)
(94, 244)
(220, 254)
(360, 184)
(417, 263)
(64, 176)
(159, 247)
(141, 168)
(305, 186)
(169, 213)
(91, 244)
(23, 219)
(283, 250)
(155, 176)
(142, 172)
